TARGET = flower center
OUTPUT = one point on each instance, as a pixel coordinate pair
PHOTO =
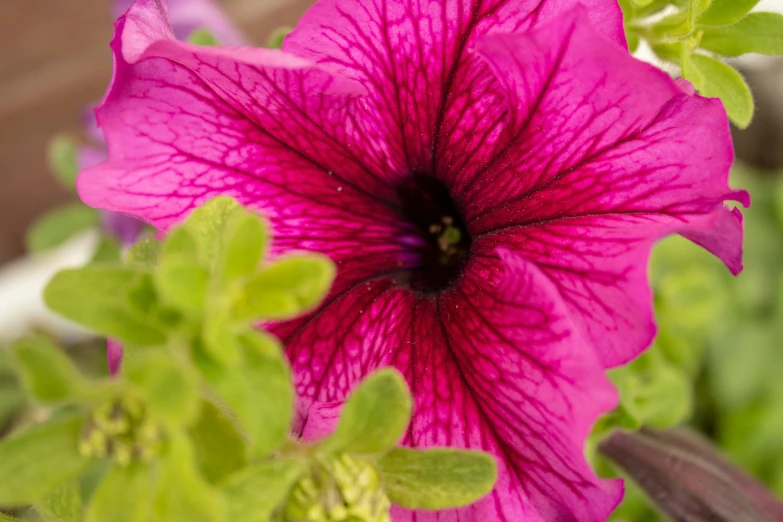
(444, 244)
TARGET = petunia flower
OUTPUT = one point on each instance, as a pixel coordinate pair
(489, 176)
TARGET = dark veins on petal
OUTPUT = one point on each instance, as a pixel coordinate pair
(443, 245)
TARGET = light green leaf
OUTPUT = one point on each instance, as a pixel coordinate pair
(653, 391)
(220, 338)
(207, 224)
(269, 413)
(99, 297)
(61, 156)
(144, 254)
(715, 79)
(37, 460)
(193, 499)
(275, 478)
(107, 251)
(203, 37)
(62, 504)
(723, 12)
(123, 495)
(244, 245)
(248, 391)
(293, 285)
(220, 449)
(179, 243)
(437, 478)
(182, 283)
(756, 33)
(375, 415)
(170, 387)
(275, 40)
(59, 225)
(46, 372)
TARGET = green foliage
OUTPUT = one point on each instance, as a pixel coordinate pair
(63, 503)
(197, 427)
(61, 156)
(715, 79)
(104, 298)
(59, 225)
(37, 460)
(132, 482)
(203, 37)
(437, 478)
(47, 374)
(696, 33)
(275, 40)
(375, 415)
(756, 33)
(275, 478)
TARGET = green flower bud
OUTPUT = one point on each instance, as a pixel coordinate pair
(340, 489)
(120, 430)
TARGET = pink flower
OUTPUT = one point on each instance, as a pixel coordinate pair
(489, 176)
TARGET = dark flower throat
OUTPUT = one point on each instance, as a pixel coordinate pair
(427, 204)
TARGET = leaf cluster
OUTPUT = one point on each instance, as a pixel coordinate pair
(197, 425)
(698, 35)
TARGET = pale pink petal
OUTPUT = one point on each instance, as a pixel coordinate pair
(597, 166)
(187, 16)
(437, 103)
(495, 364)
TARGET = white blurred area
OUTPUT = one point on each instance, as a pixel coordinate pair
(22, 282)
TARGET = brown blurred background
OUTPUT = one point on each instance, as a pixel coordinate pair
(54, 59)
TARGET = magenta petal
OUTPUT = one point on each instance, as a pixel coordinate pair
(415, 58)
(596, 168)
(114, 353)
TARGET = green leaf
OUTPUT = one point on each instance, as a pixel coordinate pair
(220, 449)
(144, 254)
(270, 411)
(170, 387)
(275, 478)
(179, 243)
(715, 79)
(193, 499)
(59, 225)
(123, 495)
(437, 478)
(99, 297)
(182, 283)
(63, 503)
(61, 156)
(203, 37)
(723, 12)
(653, 391)
(293, 285)
(46, 372)
(375, 415)
(107, 251)
(220, 338)
(275, 40)
(248, 390)
(756, 33)
(37, 460)
(207, 224)
(244, 245)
